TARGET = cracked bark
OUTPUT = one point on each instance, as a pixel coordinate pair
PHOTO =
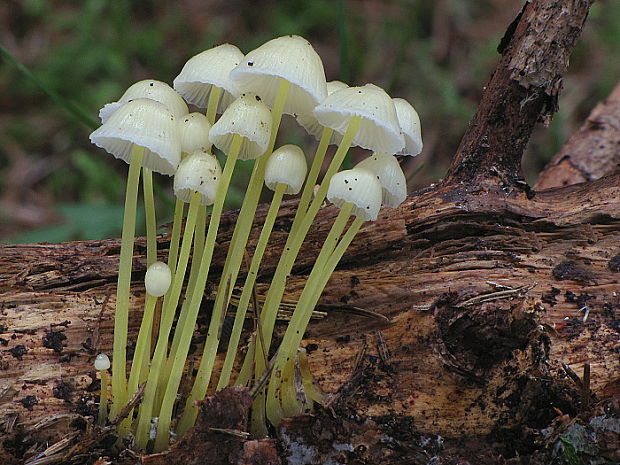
(485, 283)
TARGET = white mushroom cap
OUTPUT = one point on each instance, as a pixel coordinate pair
(287, 165)
(292, 58)
(205, 70)
(311, 124)
(389, 173)
(157, 279)
(199, 172)
(151, 89)
(102, 362)
(410, 125)
(359, 187)
(379, 130)
(249, 117)
(194, 132)
(146, 123)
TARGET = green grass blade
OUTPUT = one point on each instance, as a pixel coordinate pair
(69, 106)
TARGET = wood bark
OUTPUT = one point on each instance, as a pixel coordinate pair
(492, 296)
(592, 152)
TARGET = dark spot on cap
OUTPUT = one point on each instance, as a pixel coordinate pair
(250, 63)
(346, 181)
(359, 91)
(151, 84)
(187, 120)
(257, 98)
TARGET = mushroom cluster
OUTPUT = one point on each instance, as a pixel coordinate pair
(151, 128)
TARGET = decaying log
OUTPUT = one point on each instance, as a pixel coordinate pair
(500, 304)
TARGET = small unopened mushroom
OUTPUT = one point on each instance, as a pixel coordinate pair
(102, 365)
(357, 193)
(157, 282)
(157, 279)
(199, 172)
(285, 174)
(389, 173)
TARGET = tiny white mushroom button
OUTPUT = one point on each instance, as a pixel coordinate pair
(199, 172)
(102, 362)
(157, 279)
(287, 165)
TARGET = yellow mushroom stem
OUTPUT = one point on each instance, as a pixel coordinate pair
(248, 286)
(167, 318)
(319, 276)
(121, 316)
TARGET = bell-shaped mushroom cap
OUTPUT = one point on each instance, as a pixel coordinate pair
(151, 89)
(287, 165)
(102, 362)
(292, 58)
(200, 172)
(311, 124)
(410, 125)
(389, 173)
(359, 187)
(249, 117)
(194, 132)
(379, 130)
(146, 123)
(205, 70)
(157, 279)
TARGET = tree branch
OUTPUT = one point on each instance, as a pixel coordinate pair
(522, 91)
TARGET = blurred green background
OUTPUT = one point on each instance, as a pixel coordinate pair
(438, 54)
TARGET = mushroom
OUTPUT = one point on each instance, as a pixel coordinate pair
(162, 93)
(157, 282)
(284, 174)
(358, 193)
(142, 132)
(102, 365)
(204, 79)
